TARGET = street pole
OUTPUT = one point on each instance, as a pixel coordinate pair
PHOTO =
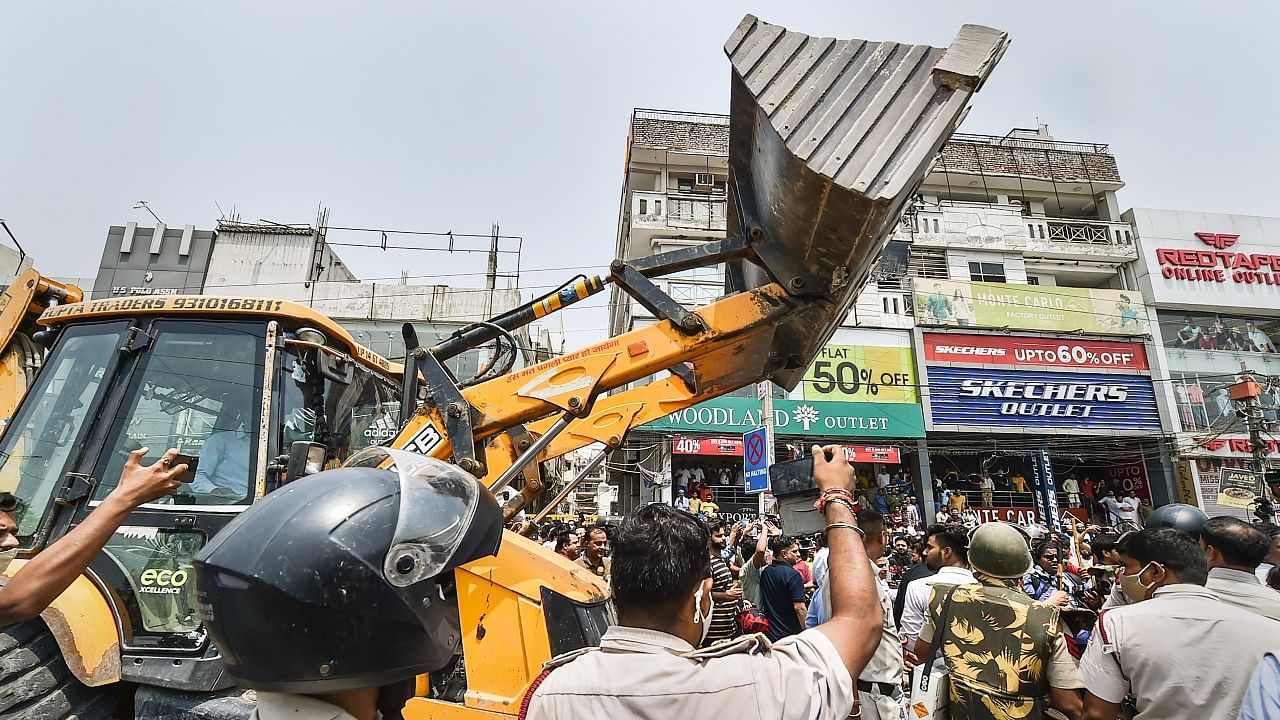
(766, 419)
(1248, 394)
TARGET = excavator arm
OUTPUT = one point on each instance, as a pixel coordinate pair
(828, 141)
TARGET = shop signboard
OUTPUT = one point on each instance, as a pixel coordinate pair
(861, 373)
(792, 418)
(872, 454)
(1240, 488)
(732, 447)
(1020, 351)
(1029, 307)
(1023, 515)
(1207, 259)
(989, 397)
(1185, 483)
(1128, 474)
(721, 446)
(1228, 446)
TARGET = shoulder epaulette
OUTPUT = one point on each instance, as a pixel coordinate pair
(752, 644)
(567, 658)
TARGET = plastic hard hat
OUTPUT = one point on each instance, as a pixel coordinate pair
(999, 550)
(1187, 518)
(340, 580)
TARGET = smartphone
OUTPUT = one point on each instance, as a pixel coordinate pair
(191, 462)
(791, 477)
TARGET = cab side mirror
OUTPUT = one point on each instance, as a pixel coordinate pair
(305, 458)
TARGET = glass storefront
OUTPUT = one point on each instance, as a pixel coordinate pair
(1217, 331)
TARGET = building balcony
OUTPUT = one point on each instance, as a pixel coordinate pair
(998, 228)
(671, 211)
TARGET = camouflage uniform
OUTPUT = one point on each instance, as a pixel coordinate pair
(1002, 649)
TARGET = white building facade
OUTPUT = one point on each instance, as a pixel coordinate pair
(1214, 282)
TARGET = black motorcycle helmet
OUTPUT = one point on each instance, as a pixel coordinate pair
(1187, 518)
(341, 580)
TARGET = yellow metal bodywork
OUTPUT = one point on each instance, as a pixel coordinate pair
(24, 300)
(736, 328)
(291, 314)
(85, 627)
(504, 632)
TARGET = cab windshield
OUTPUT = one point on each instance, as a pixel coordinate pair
(50, 426)
(197, 389)
(191, 385)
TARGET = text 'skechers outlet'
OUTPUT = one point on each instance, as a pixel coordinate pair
(1004, 398)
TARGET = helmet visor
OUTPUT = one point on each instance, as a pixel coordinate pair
(437, 504)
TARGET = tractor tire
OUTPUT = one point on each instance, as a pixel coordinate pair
(36, 684)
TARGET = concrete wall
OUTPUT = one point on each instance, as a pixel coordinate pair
(248, 262)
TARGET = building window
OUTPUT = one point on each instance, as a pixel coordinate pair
(644, 206)
(926, 262)
(986, 272)
(685, 185)
(1033, 280)
(657, 207)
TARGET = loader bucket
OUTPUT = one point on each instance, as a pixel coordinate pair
(828, 141)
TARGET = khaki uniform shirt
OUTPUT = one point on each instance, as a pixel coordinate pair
(279, 706)
(638, 673)
(584, 562)
(1242, 589)
(1182, 654)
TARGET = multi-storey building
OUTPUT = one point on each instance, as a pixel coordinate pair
(1214, 280)
(1016, 318)
(1034, 343)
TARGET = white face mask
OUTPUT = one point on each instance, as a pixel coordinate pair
(700, 617)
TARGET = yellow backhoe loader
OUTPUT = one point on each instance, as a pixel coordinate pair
(828, 141)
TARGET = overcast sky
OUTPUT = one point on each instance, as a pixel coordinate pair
(440, 116)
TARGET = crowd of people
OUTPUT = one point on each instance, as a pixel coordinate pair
(1094, 622)
(1180, 619)
(1112, 503)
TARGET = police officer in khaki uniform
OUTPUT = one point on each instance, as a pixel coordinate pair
(1177, 651)
(337, 627)
(648, 666)
(880, 683)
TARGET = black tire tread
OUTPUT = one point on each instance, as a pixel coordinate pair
(35, 683)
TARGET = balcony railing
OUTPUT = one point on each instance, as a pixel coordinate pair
(680, 116)
(1081, 232)
(1029, 143)
(660, 210)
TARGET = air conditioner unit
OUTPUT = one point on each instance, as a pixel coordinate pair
(703, 180)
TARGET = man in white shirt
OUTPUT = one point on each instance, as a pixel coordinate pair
(947, 551)
(1112, 507)
(1234, 548)
(882, 479)
(681, 502)
(1127, 508)
(819, 567)
(1273, 555)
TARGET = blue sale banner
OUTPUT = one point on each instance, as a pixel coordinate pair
(1017, 398)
